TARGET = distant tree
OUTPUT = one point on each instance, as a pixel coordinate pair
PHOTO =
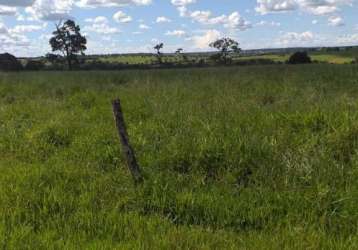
(179, 54)
(34, 65)
(53, 58)
(68, 40)
(226, 46)
(179, 51)
(9, 62)
(158, 47)
(216, 58)
(299, 58)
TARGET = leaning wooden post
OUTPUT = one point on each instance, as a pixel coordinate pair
(124, 139)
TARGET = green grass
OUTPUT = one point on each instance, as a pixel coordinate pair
(333, 58)
(273, 57)
(261, 157)
(129, 59)
(322, 57)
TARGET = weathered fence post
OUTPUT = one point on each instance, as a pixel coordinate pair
(124, 139)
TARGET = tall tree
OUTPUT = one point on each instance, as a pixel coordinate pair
(68, 40)
(158, 47)
(226, 46)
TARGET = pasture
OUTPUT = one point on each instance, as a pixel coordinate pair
(257, 157)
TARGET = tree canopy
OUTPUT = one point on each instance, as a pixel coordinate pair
(226, 46)
(158, 47)
(299, 58)
(68, 40)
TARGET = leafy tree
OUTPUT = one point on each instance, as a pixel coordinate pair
(226, 46)
(9, 62)
(158, 47)
(299, 58)
(68, 40)
(179, 53)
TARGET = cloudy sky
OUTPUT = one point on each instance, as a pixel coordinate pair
(122, 26)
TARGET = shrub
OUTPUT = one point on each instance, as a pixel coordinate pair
(299, 58)
(9, 62)
(215, 58)
(34, 65)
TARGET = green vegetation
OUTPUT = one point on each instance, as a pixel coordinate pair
(338, 57)
(321, 57)
(182, 59)
(335, 59)
(139, 59)
(260, 157)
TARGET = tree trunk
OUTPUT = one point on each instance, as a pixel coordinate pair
(69, 59)
(69, 62)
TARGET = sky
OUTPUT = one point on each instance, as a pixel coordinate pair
(130, 26)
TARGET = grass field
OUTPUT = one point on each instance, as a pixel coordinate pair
(281, 58)
(257, 157)
(321, 57)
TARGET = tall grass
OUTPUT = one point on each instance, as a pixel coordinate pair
(252, 158)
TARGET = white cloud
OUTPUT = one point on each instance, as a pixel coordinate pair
(183, 2)
(11, 41)
(266, 23)
(98, 19)
(183, 11)
(268, 6)
(144, 27)
(203, 41)
(50, 10)
(335, 21)
(178, 33)
(122, 17)
(25, 28)
(316, 7)
(322, 10)
(110, 3)
(163, 19)
(296, 39)
(3, 29)
(182, 6)
(7, 11)
(232, 21)
(100, 25)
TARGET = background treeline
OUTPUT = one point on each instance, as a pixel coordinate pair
(69, 45)
(148, 61)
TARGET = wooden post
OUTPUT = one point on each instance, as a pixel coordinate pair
(124, 139)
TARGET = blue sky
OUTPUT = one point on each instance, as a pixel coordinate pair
(125, 26)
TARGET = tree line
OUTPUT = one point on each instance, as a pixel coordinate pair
(69, 46)
(70, 43)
